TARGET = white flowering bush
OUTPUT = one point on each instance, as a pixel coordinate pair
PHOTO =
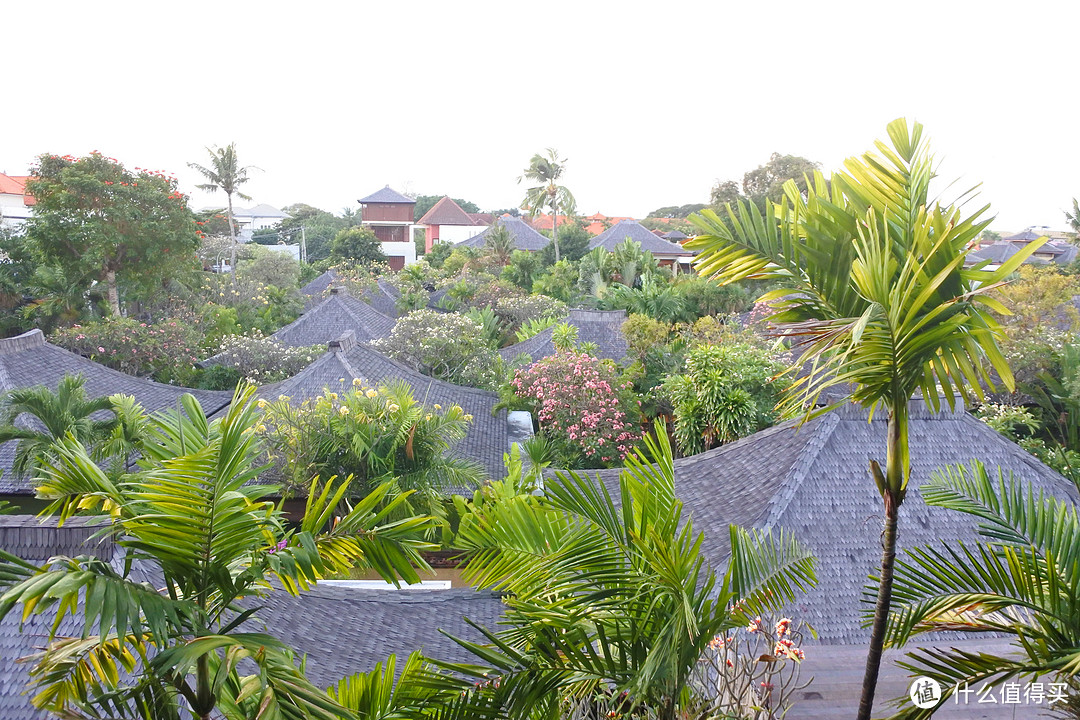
(447, 346)
(261, 359)
(517, 310)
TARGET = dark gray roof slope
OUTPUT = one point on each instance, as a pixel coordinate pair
(328, 320)
(603, 327)
(620, 231)
(387, 195)
(1057, 252)
(28, 537)
(320, 284)
(523, 235)
(487, 439)
(344, 631)
(383, 297)
(814, 482)
(28, 360)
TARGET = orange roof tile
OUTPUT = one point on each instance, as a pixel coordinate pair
(16, 185)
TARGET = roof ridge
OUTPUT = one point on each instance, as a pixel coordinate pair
(29, 339)
(414, 371)
(789, 485)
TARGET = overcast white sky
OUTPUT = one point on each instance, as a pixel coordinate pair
(651, 103)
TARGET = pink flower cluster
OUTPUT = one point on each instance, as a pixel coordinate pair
(578, 400)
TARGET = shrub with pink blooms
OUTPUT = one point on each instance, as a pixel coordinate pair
(165, 351)
(589, 416)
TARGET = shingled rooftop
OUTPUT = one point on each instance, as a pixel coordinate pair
(487, 439)
(27, 360)
(602, 327)
(522, 234)
(814, 481)
(638, 233)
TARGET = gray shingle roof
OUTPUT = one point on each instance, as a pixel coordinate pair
(332, 317)
(27, 537)
(1061, 253)
(320, 284)
(620, 231)
(523, 235)
(343, 631)
(28, 360)
(387, 195)
(487, 439)
(814, 482)
(383, 297)
(603, 327)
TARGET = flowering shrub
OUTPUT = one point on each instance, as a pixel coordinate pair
(372, 434)
(166, 351)
(518, 311)
(263, 359)
(588, 415)
(753, 672)
(446, 346)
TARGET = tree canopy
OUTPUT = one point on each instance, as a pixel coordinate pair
(95, 220)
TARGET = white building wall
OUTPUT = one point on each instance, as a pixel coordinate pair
(457, 233)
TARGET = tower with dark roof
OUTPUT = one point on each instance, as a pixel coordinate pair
(390, 215)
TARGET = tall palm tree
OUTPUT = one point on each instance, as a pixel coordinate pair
(168, 633)
(872, 284)
(225, 174)
(607, 597)
(499, 245)
(1020, 580)
(546, 169)
(54, 415)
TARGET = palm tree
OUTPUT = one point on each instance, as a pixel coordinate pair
(1020, 581)
(499, 245)
(225, 174)
(872, 284)
(546, 169)
(55, 415)
(611, 598)
(210, 544)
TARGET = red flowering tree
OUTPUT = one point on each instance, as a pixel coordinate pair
(99, 221)
(583, 409)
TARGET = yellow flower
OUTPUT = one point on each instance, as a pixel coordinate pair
(468, 418)
(357, 382)
(260, 428)
(343, 410)
(262, 404)
(438, 406)
(371, 393)
(392, 407)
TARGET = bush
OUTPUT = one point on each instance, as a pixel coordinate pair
(446, 346)
(517, 310)
(166, 351)
(727, 392)
(590, 418)
(262, 359)
(371, 434)
(358, 244)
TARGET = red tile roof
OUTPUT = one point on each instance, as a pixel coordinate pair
(446, 212)
(16, 185)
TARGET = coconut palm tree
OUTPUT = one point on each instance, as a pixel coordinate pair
(172, 631)
(872, 285)
(225, 174)
(1020, 580)
(499, 245)
(546, 169)
(607, 597)
(54, 416)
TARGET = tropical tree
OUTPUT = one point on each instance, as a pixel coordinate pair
(97, 221)
(168, 633)
(226, 174)
(52, 416)
(499, 245)
(872, 284)
(546, 169)
(1020, 580)
(612, 598)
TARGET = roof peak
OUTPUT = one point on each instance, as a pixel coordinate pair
(34, 338)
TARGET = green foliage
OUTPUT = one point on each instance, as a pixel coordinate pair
(212, 540)
(447, 346)
(870, 275)
(560, 282)
(643, 334)
(67, 411)
(546, 169)
(564, 337)
(166, 351)
(727, 391)
(94, 220)
(676, 211)
(655, 297)
(530, 328)
(768, 181)
(439, 254)
(573, 243)
(358, 244)
(260, 359)
(1019, 580)
(254, 305)
(523, 269)
(702, 297)
(583, 573)
(268, 267)
(371, 436)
